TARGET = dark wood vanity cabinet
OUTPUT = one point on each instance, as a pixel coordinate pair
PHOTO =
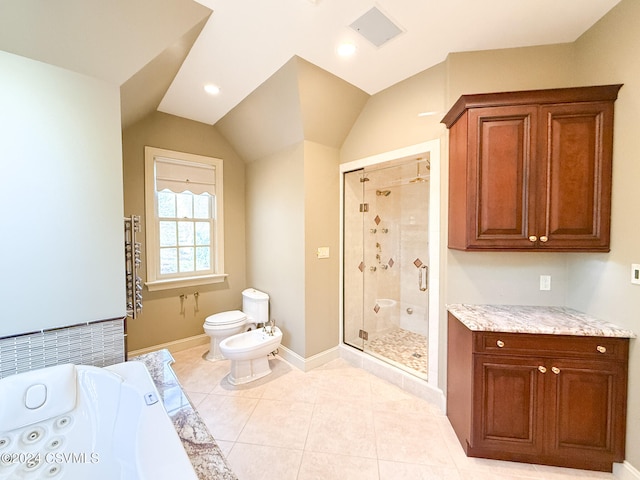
(556, 400)
(531, 170)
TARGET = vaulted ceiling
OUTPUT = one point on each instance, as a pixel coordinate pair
(246, 41)
(162, 54)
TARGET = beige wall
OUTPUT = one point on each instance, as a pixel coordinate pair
(549, 66)
(595, 283)
(292, 209)
(163, 318)
(287, 213)
(322, 229)
(268, 120)
(390, 121)
(276, 239)
(510, 278)
(288, 131)
(600, 284)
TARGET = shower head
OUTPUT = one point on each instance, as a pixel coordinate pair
(419, 178)
(383, 193)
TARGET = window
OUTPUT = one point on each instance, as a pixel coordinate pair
(183, 221)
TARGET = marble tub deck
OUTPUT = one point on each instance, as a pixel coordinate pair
(206, 457)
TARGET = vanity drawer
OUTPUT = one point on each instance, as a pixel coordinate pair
(610, 348)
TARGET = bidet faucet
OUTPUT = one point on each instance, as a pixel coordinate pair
(272, 325)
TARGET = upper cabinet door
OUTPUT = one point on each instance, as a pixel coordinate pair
(501, 177)
(531, 170)
(575, 176)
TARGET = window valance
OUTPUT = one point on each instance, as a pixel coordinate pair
(178, 176)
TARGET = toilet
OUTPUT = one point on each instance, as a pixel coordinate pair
(249, 353)
(255, 309)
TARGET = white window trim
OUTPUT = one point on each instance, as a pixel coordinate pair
(154, 283)
(185, 282)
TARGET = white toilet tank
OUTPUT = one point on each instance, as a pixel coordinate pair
(255, 305)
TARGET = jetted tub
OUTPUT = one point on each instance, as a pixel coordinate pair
(77, 422)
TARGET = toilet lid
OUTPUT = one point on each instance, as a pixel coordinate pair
(226, 318)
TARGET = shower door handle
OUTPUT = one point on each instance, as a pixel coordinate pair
(423, 278)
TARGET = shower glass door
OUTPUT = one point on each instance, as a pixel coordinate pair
(353, 283)
(386, 262)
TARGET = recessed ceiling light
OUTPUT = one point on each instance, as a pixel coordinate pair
(212, 89)
(346, 49)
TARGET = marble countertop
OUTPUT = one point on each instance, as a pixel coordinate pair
(206, 457)
(534, 319)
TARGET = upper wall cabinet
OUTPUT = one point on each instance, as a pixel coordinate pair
(531, 170)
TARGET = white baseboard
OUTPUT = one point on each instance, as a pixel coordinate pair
(625, 471)
(175, 346)
(306, 364)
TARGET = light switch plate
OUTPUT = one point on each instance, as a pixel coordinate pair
(635, 273)
(323, 252)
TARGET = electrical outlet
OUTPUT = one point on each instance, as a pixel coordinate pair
(635, 273)
(545, 282)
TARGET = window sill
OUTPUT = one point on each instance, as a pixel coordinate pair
(185, 282)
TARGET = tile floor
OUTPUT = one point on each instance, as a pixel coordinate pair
(335, 422)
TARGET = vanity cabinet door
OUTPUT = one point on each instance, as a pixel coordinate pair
(554, 400)
(575, 176)
(501, 179)
(587, 407)
(555, 411)
(531, 171)
(508, 405)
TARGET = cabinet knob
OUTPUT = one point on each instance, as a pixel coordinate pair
(500, 343)
(555, 370)
(544, 239)
(542, 369)
(533, 238)
(601, 349)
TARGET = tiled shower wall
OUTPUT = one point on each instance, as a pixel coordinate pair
(400, 220)
(384, 249)
(98, 343)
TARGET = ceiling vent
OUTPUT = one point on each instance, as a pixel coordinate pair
(376, 27)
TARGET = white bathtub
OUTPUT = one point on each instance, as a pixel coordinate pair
(81, 422)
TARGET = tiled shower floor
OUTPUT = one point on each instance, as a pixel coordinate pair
(402, 347)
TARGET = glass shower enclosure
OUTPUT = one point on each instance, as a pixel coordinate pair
(386, 262)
